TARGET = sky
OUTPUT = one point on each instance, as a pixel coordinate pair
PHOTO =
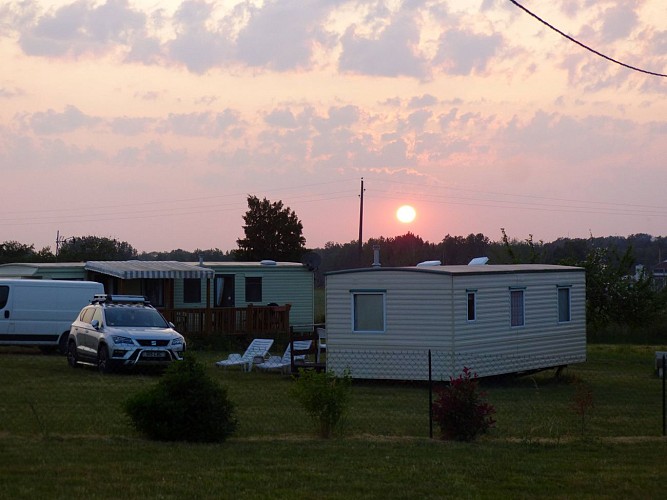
(152, 121)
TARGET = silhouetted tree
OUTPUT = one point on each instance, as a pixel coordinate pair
(13, 251)
(211, 255)
(272, 231)
(78, 249)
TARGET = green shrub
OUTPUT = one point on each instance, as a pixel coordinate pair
(185, 405)
(324, 396)
(461, 411)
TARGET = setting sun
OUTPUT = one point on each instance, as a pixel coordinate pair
(406, 214)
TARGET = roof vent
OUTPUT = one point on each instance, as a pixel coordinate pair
(478, 261)
(267, 262)
(428, 263)
(376, 256)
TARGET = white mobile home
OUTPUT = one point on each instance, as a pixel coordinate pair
(494, 319)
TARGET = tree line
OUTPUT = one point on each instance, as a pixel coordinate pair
(404, 250)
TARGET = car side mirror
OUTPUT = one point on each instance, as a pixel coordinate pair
(172, 326)
(95, 324)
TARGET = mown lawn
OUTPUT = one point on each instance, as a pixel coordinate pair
(63, 434)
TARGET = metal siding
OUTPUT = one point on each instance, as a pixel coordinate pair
(491, 346)
(423, 314)
(417, 312)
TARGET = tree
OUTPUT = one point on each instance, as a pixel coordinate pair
(13, 251)
(272, 231)
(84, 248)
(614, 295)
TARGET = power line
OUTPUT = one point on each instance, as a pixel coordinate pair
(634, 68)
(170, 202)
(527, 196)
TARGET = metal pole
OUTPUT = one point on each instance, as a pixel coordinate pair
(664, 377)
(430, 396)
(361, 218)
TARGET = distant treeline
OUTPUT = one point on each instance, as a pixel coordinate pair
(406, 250)
(409, 249)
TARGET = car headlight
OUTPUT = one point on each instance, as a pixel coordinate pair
(119, 339)
(177, 341)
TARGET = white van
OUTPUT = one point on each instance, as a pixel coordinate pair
(40, 312)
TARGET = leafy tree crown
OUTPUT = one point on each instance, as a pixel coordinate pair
(272, 231)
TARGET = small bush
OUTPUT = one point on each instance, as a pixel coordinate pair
(185, 405)
(461, 411)
(324, 396)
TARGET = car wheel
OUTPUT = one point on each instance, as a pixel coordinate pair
(103, 361)
(72, 356)
(63, 346)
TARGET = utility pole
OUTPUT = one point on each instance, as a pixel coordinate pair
(361, 218)
(60, 241)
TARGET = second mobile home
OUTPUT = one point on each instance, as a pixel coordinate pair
(381, 323)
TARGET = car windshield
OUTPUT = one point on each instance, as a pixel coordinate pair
(135, 317)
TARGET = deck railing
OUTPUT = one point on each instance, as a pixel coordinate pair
(249, 320)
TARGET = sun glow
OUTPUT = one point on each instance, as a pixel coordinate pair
(406, 214)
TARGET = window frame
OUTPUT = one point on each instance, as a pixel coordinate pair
(471, 294)
(153, 290)
(568, 289)
(354, 312)
(517, 318)
(192, 290)
(253, 284)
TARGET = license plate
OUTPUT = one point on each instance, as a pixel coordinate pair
(153, 354)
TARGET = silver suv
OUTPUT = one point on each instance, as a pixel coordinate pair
(122, 331)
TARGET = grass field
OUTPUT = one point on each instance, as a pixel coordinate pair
(63, 434)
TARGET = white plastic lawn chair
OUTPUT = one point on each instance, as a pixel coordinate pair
(257, 348)
(284, 363)
(321, 342)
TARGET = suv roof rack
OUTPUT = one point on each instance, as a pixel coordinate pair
(104, 298)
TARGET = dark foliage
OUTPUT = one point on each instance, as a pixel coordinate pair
(80, 249)
(179, 255)
(615, 293)
(185, 405)
(272, 231)
(461, 411)
(13, 251)
(324, 396)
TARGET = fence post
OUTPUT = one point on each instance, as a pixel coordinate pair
(664, 377)
(430, 396)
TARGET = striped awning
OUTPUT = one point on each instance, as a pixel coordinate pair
(148, 269)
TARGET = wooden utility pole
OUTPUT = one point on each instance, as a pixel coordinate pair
(361, 218)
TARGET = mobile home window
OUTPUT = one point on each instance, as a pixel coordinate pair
(516, 308)
(563, 304)
(368, 311)
(253, 289)
(192, 290)
(472, 313)
(154, 291)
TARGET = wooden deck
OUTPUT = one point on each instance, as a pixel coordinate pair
(251, 320)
